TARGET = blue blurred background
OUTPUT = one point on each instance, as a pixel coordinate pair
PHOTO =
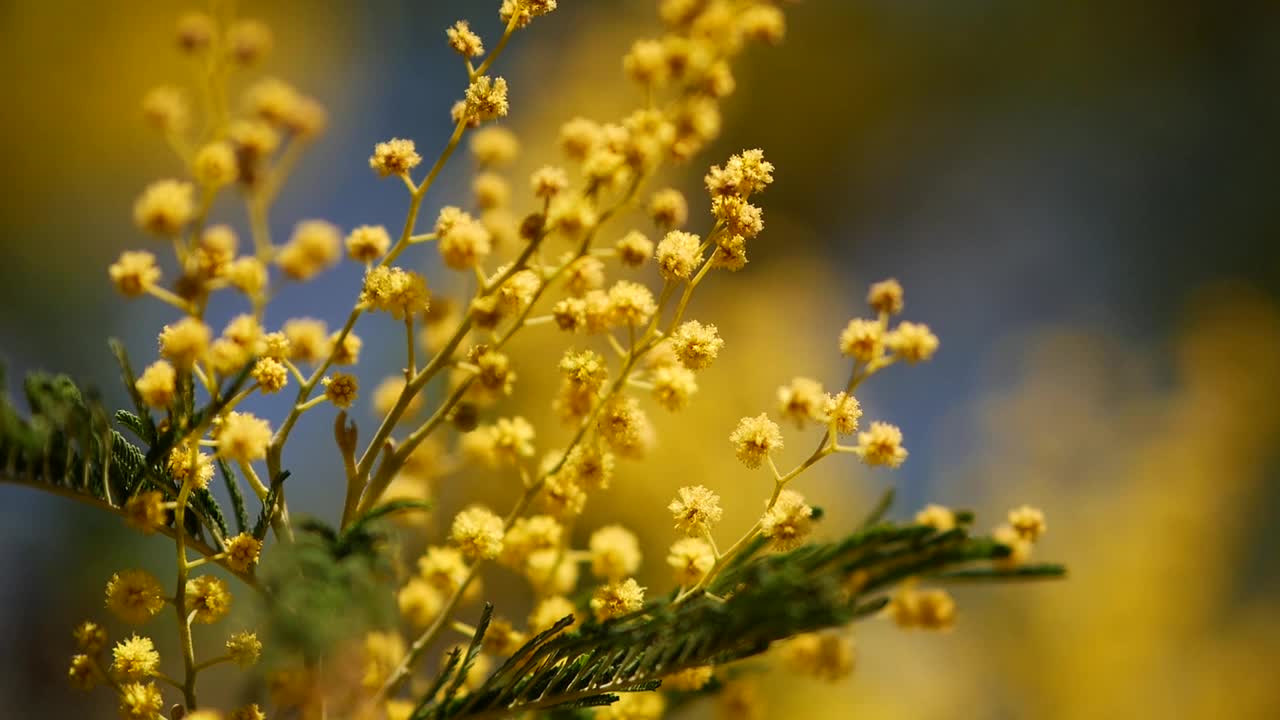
(1078, 197)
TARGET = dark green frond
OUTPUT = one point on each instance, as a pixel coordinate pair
(752, 604)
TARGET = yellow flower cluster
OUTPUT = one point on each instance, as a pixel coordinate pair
(524, 252)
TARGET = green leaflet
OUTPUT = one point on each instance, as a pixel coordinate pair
(765, 599)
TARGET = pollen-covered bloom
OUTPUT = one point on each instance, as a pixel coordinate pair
(513, 439)
(496, 376)
(145, 511)
(139, 701)
(589, 466)
(166, 108)
(843, 411)
(208, 598)
(182, 466)
(134, 596)
(912, 342)
(215, 165)
(157, 384)
(478, 532)
(938, 517)
(788, 522)
(345, 348)
(165, 207)
(631, 303)
(678, 255)
(634, 249)
(615, 552)
(696, 344)
(696, 510)
(396, 291)
(549, 611)
(862, 340)
(927, 609)
(394, 157)
(755, 439)
(548, 181)
(486, 99)
(134, 272)
(802, 401)
(367, 243)
(881, 444)
(463, 243)
(464, 41)
(668, 208)
(1028, 522)
(185, 341)
(617, 599)
(690, 559)
(827, 655)
(625, 426)
(247, 274)
(1020, 548)
(244, 648)
(341, 389)
(307, 339)
(886, 297)
(83, 672)
(673, 385)
(314, 246)
(243, 437)
(419, 602)
(135, 658)
(688, 680)
(270, 375)
(243, 551)
(494, 146)
(90, 637)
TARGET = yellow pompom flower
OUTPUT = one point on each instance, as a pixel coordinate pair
(549, 611)
(938, 517)
(209, 598)
(478, 532)
(368, 243)
(696, 344)
(788, 522)
(134, 596)
(135, 658)
(165, 207)
(185, 341)
(617, 599)
(243, 437)
(244, 648)
(134, 272)
(90, 637)
(157, 384)
(1028, 522)
(886, 297)
(690, 559)
(243, 551)
(881, 444)
(862, 340)
(140, 701)
(696, 510)
(755, 439)
(341, 389)
(83, 672)
(394, 157)
(145, 512)
(828, 656)
(913, 342)
(615, 552)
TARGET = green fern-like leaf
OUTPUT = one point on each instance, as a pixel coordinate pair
(754, 603)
